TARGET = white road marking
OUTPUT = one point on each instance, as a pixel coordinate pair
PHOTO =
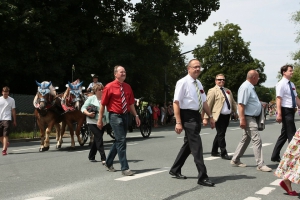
(233, 129)
(264, 144)
(276, 182)
(141, 175)
(40, 198)
(252, 198)
(180, 137)
(211, 158)
(265, 190)
(230, 154)
(24, 149)
(132, 143)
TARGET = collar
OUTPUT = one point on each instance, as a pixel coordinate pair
(285, 80)
(191, 78)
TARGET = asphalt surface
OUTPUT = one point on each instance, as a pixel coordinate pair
(28, 174)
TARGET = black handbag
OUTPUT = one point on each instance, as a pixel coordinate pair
(92, 108)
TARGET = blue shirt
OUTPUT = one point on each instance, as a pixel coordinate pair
(248, 97)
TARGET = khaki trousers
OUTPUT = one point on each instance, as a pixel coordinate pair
(250, 133)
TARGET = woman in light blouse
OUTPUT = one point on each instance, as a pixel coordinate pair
(91, 119)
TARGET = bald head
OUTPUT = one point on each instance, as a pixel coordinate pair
(253, 77)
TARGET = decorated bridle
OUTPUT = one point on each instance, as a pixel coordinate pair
(43, 89)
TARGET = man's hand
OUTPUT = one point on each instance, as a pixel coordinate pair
(178, 128)
(204, 122)
(212, 123)
(99, 124)
(138, 121)
(243, 123)
(279, 118)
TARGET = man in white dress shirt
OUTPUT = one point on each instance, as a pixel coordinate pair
(286, 101)
(189, 102)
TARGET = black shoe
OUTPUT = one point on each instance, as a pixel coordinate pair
(177, 175)
(276, 160)
(215, 154)
(226, 157)
(206, 182)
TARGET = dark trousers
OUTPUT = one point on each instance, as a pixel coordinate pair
(288, 130)
(219, 141)
(192, 143)
(97, 143)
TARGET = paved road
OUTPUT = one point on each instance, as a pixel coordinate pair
(27, 174)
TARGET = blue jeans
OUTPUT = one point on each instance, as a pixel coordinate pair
(118, 123)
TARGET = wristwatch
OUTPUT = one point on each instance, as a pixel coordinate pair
(210, 116)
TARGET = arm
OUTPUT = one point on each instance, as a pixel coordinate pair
(242, 116)
(178, 126)
(13, 110)
(208, 112)
(85, 105)
(278, 105)
(210, 102)
(133, 111)
(99, 122)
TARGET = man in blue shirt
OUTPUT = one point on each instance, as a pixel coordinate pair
(249, 108)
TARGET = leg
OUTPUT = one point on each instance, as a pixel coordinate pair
(93, 150)
(119, 126)
(252, 131)
(241, 148)
(181, 157)
(223, 123)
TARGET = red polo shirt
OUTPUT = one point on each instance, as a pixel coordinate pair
(111, 96)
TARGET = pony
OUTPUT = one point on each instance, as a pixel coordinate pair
(46, 112)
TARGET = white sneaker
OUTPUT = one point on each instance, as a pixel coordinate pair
(264, 168)
(237, 164)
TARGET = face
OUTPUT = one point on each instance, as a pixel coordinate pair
(95, 80)
(256, 79)
(220, 81)
(289, 73)
(120, 74)
(5, 94)
(194, 69)
(99, 91)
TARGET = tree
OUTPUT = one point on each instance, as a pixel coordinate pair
(234, 61)
(42, 40)
(264, 94)
(296, 19)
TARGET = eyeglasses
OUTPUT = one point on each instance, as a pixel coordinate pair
(220, 79)
(195, 67)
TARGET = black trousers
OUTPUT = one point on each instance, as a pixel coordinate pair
(191, 121)
(97, 143)
(219, 141)
(288, 130)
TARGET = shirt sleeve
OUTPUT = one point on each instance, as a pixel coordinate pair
(105, 96)
(243, 96)
(179, 90)
(279, 90)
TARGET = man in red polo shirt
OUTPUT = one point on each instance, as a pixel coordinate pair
(118, 98)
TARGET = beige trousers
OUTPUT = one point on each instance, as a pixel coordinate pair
(250, 133)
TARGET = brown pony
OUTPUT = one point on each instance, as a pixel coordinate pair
(46, 112)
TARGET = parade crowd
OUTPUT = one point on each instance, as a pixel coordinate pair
(191, 108)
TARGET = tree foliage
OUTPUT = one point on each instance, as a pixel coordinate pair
(234, 61)
(296, 20)
(41, 40)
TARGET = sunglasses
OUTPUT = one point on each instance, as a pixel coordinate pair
(220, 80)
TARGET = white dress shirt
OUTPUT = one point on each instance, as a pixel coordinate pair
(186, 95)
(225, 110)
(283, 91)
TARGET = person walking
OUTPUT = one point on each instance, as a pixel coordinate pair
(286, 97)
(91, 120)
(118, 98)
(7, 109)
(162, 112)
(221, 103)
(189, 101)
(249, 108)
